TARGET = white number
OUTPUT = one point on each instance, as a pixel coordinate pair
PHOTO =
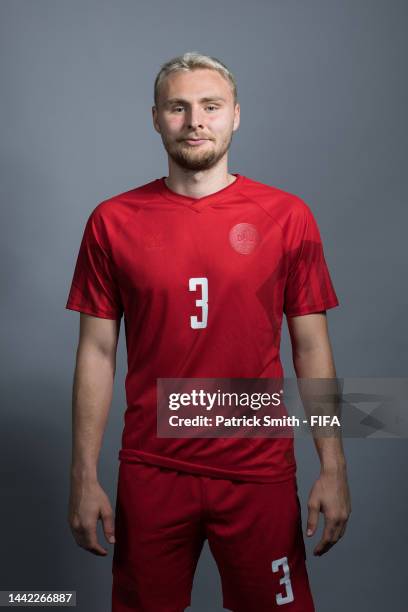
(203, 302)
(285, 580)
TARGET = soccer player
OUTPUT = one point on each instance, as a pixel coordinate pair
(202, 264)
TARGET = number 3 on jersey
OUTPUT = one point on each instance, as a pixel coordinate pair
(287, 597)
(194, 284)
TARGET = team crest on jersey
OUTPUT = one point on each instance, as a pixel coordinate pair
(244, 238)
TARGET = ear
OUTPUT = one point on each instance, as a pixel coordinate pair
(155, 120)
(237, 117)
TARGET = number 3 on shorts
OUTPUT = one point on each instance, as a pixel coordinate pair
(285, 580)
(193, 285)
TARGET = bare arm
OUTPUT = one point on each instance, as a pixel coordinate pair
(313, 358)
(91, 400)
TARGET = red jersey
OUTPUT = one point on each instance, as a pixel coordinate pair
(202, 284)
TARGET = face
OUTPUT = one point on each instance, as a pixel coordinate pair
(196, 117)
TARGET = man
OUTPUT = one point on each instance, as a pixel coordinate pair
(202, 264)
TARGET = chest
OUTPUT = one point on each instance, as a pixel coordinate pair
(160, 251)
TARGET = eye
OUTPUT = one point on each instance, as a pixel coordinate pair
(212, 107)
(176, 109)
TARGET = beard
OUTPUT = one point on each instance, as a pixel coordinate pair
(191, 158)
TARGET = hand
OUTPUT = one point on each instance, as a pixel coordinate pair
(88, 503)
(330, 495)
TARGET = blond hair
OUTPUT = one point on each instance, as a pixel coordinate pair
(193, 61)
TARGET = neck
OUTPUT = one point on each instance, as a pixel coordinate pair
(198, 184)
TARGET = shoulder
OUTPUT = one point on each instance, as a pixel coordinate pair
(115, 211)
(284, 206)
(107, 219)
(131, 199)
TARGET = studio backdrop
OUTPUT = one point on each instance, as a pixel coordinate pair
(323, 93)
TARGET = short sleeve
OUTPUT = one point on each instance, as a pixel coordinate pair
(308, 287)
(94, 289)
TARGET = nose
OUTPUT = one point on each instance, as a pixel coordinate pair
(194, 117)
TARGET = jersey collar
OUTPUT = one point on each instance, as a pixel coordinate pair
(200, 203)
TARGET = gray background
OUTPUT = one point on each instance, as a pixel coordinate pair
(322, 86)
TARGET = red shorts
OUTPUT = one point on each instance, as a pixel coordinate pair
(254, 532)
